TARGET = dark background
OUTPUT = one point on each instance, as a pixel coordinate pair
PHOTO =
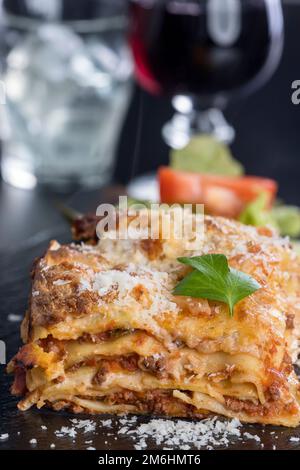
(267, 142)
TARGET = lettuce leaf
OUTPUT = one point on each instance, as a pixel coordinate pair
(204, 154)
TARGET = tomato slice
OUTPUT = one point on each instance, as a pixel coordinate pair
(221, 195)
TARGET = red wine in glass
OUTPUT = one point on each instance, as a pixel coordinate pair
(207, 50)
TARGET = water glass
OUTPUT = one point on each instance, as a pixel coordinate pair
(66, 73)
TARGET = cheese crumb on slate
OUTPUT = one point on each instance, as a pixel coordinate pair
(247, 435)
(84, 425)
(87, 425)
(66, 431)
(14, 318)
(33, 441)
(107, 422)
(3, 437)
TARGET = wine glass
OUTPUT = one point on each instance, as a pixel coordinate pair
(204, 53)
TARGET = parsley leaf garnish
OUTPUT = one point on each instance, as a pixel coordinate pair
(213, 279)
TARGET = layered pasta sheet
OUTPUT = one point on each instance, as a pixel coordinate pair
(104, 333)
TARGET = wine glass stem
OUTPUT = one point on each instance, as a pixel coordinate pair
(188, 121)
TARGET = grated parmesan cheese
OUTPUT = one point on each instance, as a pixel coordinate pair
(247, 435)
(87, 425)
(60, 282)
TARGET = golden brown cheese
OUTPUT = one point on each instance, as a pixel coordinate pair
(190, 349)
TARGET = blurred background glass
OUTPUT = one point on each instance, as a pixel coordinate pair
(66, 69)
(204, 53)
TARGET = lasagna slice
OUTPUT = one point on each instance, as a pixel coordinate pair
(104, 333)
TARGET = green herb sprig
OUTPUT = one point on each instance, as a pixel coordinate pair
(213, 279)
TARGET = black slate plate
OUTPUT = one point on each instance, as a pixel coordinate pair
(22, 427)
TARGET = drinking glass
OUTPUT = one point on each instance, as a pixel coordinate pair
(204, 53)
(66, 72)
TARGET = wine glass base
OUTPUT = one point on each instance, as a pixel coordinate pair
(183, 126)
